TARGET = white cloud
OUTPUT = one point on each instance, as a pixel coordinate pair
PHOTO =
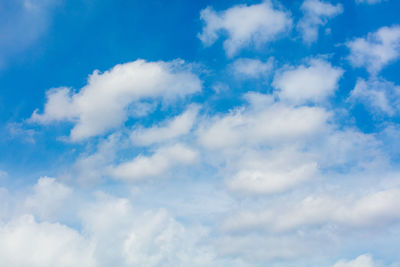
(47, 198)
(170, 129)
(271, 172)
(368, 1)
(128, 237)
(262, 123)
(251, 68)
(245, 26)
(259, 148)
(91, 168)
(361, 261)
(377, 94)
(158, 164)
(113, 233)
(25, 242)
(314, 82)
(102, 104)
(377, 208)
(316, 14)
(377, 50)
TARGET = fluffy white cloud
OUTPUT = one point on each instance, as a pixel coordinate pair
(128, 237)
(258, 148)
(316, 14)
(112, 233)
(102, 104)
(377, 50)
(170, 129)
(251, 68)
(377, 208)
(314, 82)
(244, 25)
(47, 198)
(25, 242)
(377, 94)
(361, 261)
(157, 164)
(264, 122)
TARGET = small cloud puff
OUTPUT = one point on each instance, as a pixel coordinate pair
(244, 25)
(377, 50)
(316, 13)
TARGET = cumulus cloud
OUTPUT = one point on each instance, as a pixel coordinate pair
(251, 68)
(170, 129)
(361, 261)
(47, 198)
(155, 165)
(313, 82)
(25, 242)
(244, 25)
(113, 232)
(316, 14)
(128, 237)
(258, 148)
(377, 50)
(102, 104)
(379, 95)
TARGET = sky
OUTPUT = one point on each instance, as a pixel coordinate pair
(199, 133)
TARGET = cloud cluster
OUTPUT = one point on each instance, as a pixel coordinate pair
(112, 232)
(102, 104)
(281, 176)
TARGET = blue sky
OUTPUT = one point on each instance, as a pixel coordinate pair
(199, 133)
